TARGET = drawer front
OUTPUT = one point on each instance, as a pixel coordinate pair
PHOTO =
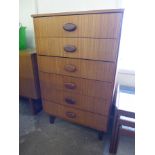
(98, 122)
(96, 49)
(94, 26)
(91, 104)
(97, 70)
(76, 85)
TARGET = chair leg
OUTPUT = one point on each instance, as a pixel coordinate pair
(36, 106)
(114, 138)
(115, 144)
(51, 119)
(100, 135)
(32, 106)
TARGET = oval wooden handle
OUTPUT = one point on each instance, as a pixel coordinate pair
(70, 68)
(70, 48)
(69, 27)
(70, 101)
(70, 114)
(70, 85)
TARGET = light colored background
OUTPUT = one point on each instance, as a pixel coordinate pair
(126, 66)
(144, 48)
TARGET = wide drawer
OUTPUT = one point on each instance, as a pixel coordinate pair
(76, 85)
(97, 70)
(106, 25)
(98, 122)
(86, 48)
(70, 99)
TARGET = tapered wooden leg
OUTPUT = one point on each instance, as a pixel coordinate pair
(100, 135)
(115, 137)
(51, 119)
(116, 141)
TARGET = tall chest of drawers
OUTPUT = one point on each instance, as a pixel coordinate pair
(77, 59)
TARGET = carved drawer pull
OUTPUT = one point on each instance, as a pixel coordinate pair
(70, 68)
(70, 114)
(69, 27)
(70, 101)
(70, 85)
(70, 48)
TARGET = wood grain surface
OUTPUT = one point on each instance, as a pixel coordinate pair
(98, 122)
(28, 75)
(96, 70)
(86, 48)
(71, 99)
(82, 86)
(92, 26)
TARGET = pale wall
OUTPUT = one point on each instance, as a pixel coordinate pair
(45, 6)
(26, 8)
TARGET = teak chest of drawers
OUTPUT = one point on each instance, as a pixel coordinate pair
(77, 59)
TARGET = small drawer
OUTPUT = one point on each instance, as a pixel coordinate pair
(106, 25)
(76, 85)
(86, 48)
(87, 103)
(96, 70)
(98, 122)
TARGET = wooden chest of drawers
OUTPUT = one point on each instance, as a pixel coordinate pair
(77, 58)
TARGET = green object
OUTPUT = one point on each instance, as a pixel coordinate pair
(22, 37)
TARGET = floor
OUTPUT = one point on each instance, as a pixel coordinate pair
(39, 137)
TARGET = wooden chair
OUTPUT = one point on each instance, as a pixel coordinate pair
(124, 117)
(29, 87)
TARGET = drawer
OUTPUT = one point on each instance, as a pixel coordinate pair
(76, 85)
(97, 70)
(98, 122)
(70, 99)
(86, 48)
(92, 25)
